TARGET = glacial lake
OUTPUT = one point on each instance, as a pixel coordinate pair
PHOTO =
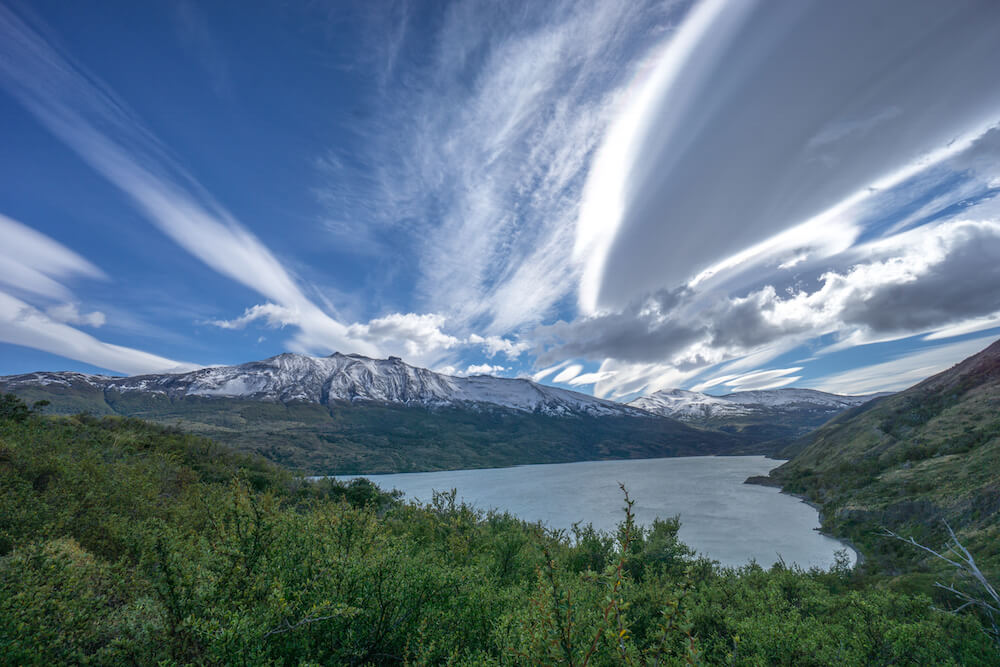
(721, 517)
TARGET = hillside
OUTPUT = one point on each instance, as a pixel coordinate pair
(127, 543)
(777, 416)
(909, 460)
(347, 414)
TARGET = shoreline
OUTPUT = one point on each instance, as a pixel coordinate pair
(766, 480)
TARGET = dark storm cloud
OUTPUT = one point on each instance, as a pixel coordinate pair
(963, 285)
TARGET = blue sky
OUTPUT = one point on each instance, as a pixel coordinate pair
(613, 197)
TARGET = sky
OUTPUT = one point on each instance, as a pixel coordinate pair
(612, 197)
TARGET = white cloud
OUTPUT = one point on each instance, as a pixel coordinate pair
(924, 280)
(417, 338)
(767, 379)
(493, 345)
(471, 369)
(33, 263)
(704, 33)
(623, 380)
(69, 313)
(35, 266)
(568, 373)
(83, 113)
(589, 378)
(479, 159)
(274, 316)
(484, 369)
(966, 327)
(545, 372)
(899, 373)
(22, 324)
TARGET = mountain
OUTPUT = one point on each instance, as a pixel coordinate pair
(352, 414)
(776, 415)
(909, 460)
(340, 377)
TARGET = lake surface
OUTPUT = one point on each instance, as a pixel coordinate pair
(721, 517)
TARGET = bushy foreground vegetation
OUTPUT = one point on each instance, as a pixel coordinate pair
(123, 542)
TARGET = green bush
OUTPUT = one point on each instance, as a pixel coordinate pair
(127, 543)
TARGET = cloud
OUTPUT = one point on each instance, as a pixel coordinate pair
(197, 39)
(568, 373)
(966, 327)
(484, 369)
(69, 313)
(274, 316)
(946, 275)
(623, 380)
(920, 281)
(837, 130)
(472, 369)
(87, 117)
(701, 166)
(494, 345)
(900, 373)
(23, 324)
(33, 263)
(589, 378)
(545, 372)
(83, 113)
(35, 266)
(646, 331)
(478, 150)
(414, 336)
(759, 380)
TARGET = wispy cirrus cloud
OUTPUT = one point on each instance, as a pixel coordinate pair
(90, 119)
(83, 112)
(23, 324)
(725, 224)
(901, 372)
(36, 267)
(481, 148)
(33, 263)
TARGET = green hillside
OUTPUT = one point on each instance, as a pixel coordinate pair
(123, 542)
(908, 461)
(346, 438)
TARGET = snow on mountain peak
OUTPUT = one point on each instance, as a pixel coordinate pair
(692, 406)
(353, 378)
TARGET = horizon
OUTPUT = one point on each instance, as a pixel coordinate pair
(609, 199)
(464, 375)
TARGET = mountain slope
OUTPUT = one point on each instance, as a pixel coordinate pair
(353, 378)
(351, 414)
(908, 460)
(778, 415)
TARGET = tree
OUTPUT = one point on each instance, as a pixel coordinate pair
(980, 595)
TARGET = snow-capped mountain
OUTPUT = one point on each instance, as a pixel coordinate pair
(339, 377)
(695, 406)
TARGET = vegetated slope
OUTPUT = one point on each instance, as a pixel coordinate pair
(907, 461)
(347, 414)
(122, 542)
(776, 416)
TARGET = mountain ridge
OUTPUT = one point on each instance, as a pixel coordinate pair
(348, 414)
(291, 377)
(776, 416)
